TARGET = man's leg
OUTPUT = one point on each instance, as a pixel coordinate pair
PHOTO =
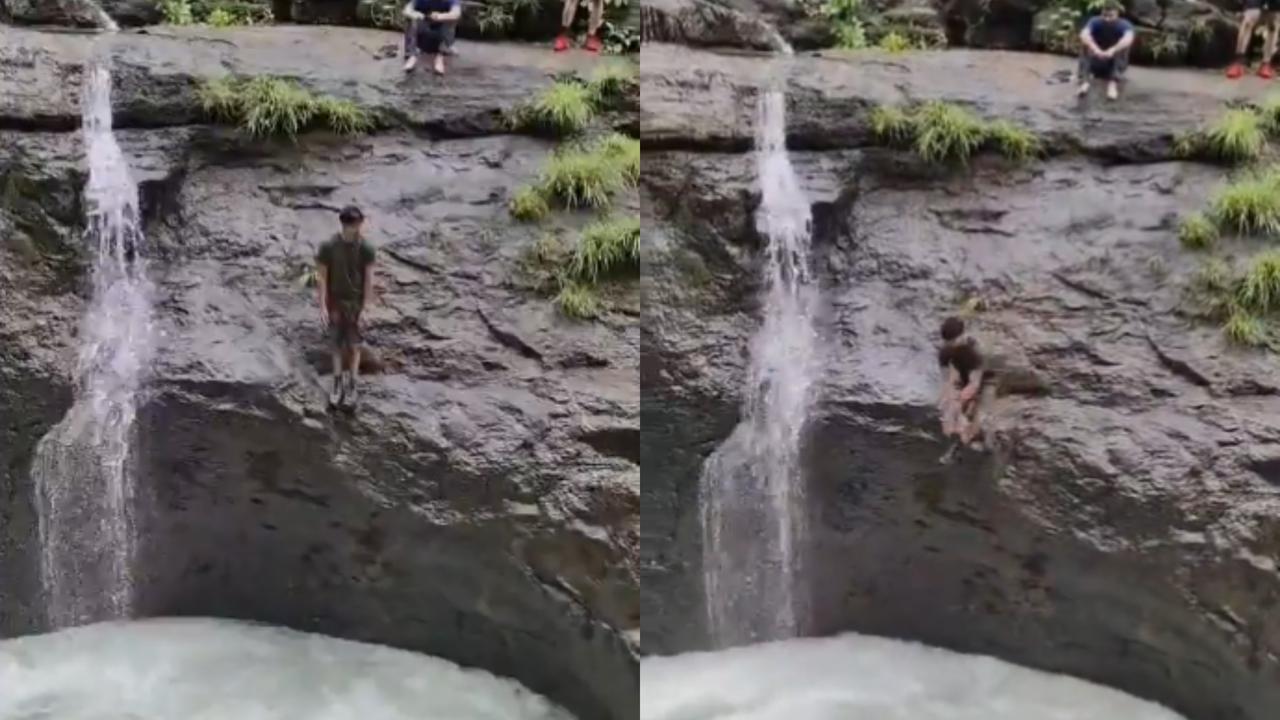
(1253, 10)
(353, 374)
(593, 26)
(1084, 71)
(1271, 21)
(1119, 66)
(566, 22)
(410, 44)
(337, 338)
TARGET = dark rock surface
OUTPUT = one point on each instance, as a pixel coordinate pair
(482, 506)
(1127, 527)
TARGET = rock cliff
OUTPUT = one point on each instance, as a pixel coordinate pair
(1126, 528)
(482, 506)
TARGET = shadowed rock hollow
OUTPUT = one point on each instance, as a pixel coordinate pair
(481, 506)
(1127, 527)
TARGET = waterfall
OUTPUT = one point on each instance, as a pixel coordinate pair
(82, 467)
(753, 500)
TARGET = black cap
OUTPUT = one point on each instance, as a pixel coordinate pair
(350, 214)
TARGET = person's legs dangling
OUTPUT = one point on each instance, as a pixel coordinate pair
(1253, 11)
(566, 22)
(594, 23)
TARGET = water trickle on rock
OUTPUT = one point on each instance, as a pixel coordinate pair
(82, 467)
(753, 500)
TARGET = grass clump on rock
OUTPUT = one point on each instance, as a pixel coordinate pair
(945, 134)
(1238, 136)
(612, 81)
(529, 204)
(564, 109)
(608, 248)
(1250, 205)
(589, 176)
(266, 107)
(1246, 303)
(1197, 232)
(606, 253)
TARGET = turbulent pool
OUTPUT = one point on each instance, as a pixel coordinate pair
(865, 678)
(200, 669)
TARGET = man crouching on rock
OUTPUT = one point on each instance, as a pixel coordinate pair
(344, 274)
(1104, 54)
(962, 386)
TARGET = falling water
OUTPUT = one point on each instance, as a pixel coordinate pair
(753, 508)
(82, 469)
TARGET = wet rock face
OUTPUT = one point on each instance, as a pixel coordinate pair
(1125, 527)
(481, 506)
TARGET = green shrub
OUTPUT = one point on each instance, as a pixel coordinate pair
(625, 150)
(1196, 232)
(1237, 136)
(607, 248)
(220, 18)
(274, 107)
(848, 19)
(1269, 112)
(1249, 206)
(947, 133)
(529, 204)
(613, 80)
(1015, 143)
(1242, 328)
(578, 301)
(581, 178)
(895, 42)
(892, 125)
(176, 12)
(565, 108)
(1259, 288)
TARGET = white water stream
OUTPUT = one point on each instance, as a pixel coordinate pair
(752, 492)
(854, 677)
(199, 669)
(82, 466)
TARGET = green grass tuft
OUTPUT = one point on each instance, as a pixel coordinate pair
(892, 125)
(529, 205)
(565, 109)
(625, 150)
(1237, 136)
(947, 133)
(1269, 111)
(1242, 328)
(1259, 288)
(612, 81)
(273, 107)
(895, 42)
(581, 178)
(1015, 143)
(607, 248)
(1196, 232)
(1249, 206)
(578, 301)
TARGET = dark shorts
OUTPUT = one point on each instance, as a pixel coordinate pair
(1263, 5)
(1110, 69)
(432, 36)
(344, 324)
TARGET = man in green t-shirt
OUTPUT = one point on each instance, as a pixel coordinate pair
(344, 272)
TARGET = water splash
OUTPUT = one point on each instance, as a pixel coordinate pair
(753, 501)
(82, 471)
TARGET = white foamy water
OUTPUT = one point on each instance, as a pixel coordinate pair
(81, 469)
(854, 677)
(753, 507)
(203, 669)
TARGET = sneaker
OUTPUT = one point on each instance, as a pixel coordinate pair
(335, 394)
(1266, 72)
(1083, 89)
(562, 43)
(1236, 71)
(411, 63)
(593, 44)
(1113, 91)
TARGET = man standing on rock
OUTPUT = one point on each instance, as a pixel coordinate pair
(962, 383)
(1104, 54)
(594, 22)
(1254, 10)
(436, 23)
(344, 274)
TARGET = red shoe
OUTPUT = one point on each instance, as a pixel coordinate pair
(1266, 72)
(593, 44)
(1236, 71)
(562, 43)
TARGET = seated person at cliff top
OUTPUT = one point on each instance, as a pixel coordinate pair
(437, 20)
(1255, 10)
(1104, 54)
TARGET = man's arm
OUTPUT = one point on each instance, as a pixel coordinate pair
(1086, 37)
(454, 13)
(970, 390)
(1125, 41)
(409, 12)
(369, 287)
(322, 288)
